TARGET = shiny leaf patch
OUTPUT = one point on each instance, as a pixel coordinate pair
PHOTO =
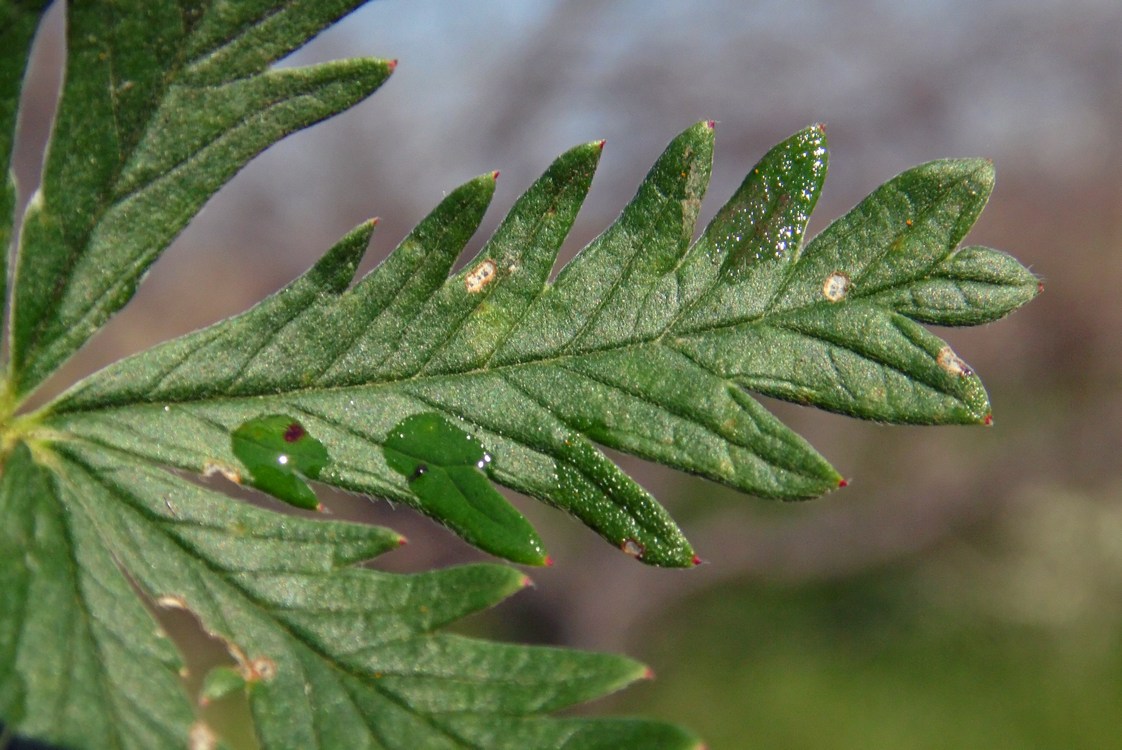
(279, 454)
(447, 468)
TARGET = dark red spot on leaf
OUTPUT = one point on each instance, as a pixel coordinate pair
(294, 432)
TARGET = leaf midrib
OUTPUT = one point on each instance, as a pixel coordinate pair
(559, 360)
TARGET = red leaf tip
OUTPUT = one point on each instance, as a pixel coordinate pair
(548, 561)
(601, 143)
(711, 124)
(821, 127)
(402, 541)
(495, 175)
(526, 582)
(1040, 287)
(648, 674)
(392, 64)
(988, 420)
(843, 482)
(696, 560)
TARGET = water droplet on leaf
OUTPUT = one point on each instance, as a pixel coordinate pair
(279, 455)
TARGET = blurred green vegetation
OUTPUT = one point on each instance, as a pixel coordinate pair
(1007, 636)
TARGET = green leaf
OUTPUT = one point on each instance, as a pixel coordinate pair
(403, 386)
(444, 466)
(82, 662)
(162, 103)
(221, 682)
(278, 452)
(334, 655)
(646, 342)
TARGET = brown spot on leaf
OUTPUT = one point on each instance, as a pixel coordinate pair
(261, 669)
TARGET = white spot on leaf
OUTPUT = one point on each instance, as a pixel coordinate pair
(172, 601)
(632, 547)
(836, 286)
(480, 276)
(261, 669)
(952, 363)
(201, 737)
(210, 468)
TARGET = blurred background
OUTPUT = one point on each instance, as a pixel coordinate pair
(966, 589)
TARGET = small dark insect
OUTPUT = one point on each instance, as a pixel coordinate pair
(419, 472)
